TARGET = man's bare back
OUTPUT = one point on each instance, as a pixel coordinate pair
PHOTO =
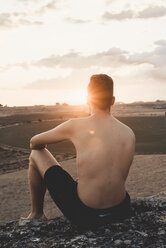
(105, 149)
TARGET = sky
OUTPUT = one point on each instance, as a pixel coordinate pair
(50, 48)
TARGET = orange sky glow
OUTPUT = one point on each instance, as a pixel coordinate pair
(49, 49)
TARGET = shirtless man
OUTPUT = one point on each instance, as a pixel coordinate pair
(105, 149)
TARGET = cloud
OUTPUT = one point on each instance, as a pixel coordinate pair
(150, 12)
(113, 57)
(39, 7)
(156, 11)
(5, 21)
(51, 5)
(76, 80)
(151, 64)
(76, 21)
(156, 58)
(128, 14)
(17, 19)
(108, 2)
(13, 20)
(26, 22)
(148, 67)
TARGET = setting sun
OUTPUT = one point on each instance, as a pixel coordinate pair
(76, 96)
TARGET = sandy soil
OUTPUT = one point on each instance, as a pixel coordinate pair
(146, 178)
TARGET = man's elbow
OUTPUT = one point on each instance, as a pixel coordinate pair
(33, 142)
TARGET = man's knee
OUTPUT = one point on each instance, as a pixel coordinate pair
(42, 160)
(42, 156)
(33, 155)
(31, 159)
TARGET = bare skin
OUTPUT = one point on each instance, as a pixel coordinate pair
(105, 149)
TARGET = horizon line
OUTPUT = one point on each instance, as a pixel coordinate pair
(82, 104)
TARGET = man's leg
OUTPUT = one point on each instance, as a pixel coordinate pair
(39, 162)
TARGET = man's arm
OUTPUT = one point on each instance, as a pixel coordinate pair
(59, 133)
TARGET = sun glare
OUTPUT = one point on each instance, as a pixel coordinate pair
(76, 97)
(91, 132)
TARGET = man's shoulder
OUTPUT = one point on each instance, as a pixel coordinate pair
(76, 122)
(79, 120)
(126, 129)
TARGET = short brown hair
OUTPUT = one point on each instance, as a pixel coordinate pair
(100, 91)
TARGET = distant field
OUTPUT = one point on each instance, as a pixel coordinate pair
(150, 132)
(19, 136)
(27, 118)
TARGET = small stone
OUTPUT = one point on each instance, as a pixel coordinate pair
(162, 232)
(38, 229)
(164, 219)
(163, 203)
(90, 234)
(22, 232)
(34, 239)
(127, 242)
(23, 222)
(4, 236)
(81, 237)
(107, 231)
(92, 240)
(36, 223)
(118, 242)
(142, 233)
(53, 245)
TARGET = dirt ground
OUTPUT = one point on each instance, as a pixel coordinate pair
(146, 178)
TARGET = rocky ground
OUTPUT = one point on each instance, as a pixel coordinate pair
(146, 228)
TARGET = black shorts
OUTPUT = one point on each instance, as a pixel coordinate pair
(63, 190)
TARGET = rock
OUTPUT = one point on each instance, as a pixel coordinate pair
(127, 242)
(118, 242)
(34, 239)
(107, 231)
(23, 222)
(36, 223)
(92, 240)
(90, 234)
(81, 237)
(162, 232)
(4, 236)
(142, 233)
(145, 228)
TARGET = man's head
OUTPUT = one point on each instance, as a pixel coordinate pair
(100, 91)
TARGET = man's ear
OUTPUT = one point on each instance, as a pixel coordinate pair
(113, 100)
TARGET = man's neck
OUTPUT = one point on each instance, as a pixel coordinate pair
(100, 112)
